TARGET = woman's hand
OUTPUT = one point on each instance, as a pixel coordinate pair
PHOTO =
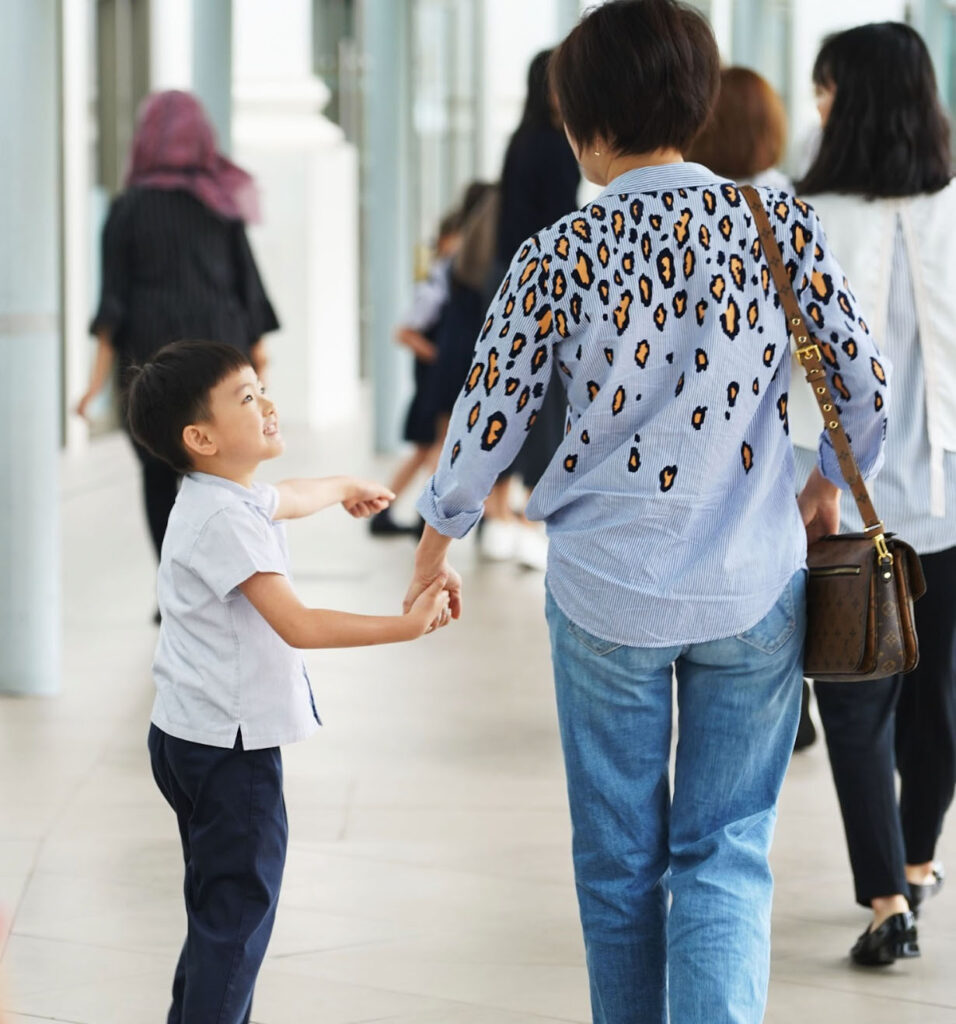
(422, 580)
(819, 504)
(363, 498)
(430, 609)
(83, 404)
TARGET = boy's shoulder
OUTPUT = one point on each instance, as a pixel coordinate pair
(203, 499)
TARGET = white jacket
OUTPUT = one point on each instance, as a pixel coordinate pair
(860, 233)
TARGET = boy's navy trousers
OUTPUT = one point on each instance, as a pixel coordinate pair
(234, 832)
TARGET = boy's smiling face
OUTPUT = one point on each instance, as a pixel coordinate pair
(242, 429)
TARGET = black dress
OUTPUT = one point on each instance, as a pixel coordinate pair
(539, 185)
(174, 270)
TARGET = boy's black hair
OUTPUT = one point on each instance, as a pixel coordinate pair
(171, 391)
(887, 133)
(641, 74)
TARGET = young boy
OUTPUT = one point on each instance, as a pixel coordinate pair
(230, 679)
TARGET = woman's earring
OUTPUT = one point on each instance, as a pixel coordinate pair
(597, 152)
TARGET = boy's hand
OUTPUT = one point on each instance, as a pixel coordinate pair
(430, 610)
(364, 498)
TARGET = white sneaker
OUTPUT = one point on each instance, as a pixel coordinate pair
(531, 549)
(498, 540)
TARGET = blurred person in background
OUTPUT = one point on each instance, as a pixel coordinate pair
(176, 264)
(677, 545)
(882, 183)
(539, 182)
(419, 333)
(745, 140)
(746, 136)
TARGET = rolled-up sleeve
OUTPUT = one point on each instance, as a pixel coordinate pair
(503, 392)
(858, 375)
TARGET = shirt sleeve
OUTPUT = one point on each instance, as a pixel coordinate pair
(114, 288)
(260, 315)
(235, 544)
(858, 375)
(499, 403)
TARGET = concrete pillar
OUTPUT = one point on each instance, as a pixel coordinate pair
(307, 245)
(388, 247)
(212, 64)
(29, 349)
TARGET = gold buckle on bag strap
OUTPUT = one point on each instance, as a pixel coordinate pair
(809, 351)
(883, 552)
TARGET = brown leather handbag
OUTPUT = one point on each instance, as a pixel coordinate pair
(861, 586)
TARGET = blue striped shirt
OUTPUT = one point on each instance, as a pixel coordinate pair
(670, 503)
(901, 491)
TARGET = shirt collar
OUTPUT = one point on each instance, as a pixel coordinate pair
(661, 176)
(252, 495)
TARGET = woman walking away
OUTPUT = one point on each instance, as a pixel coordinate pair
(676, 542)
(176, 263)
(882, 184)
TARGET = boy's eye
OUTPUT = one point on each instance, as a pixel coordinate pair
(246, 398)
(262, 389)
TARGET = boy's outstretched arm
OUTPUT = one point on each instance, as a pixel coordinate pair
(302, 627)
(361, 498)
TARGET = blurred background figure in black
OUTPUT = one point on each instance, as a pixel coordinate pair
(176, 263)
(539, 183)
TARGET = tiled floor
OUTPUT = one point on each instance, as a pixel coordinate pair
(428, 878)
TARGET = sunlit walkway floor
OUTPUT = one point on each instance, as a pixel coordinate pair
(428, 878)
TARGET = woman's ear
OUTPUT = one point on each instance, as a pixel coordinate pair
(197, 441)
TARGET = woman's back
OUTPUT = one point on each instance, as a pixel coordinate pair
(663, 318)
(901, 256)
(175, 269)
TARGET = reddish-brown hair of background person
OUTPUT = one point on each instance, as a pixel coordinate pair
(747, 131)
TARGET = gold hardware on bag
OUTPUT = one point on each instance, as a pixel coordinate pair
(886, 558)
(808, 351)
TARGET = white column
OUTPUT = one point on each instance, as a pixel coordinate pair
(171, 44)
(29, 349)
(307, 247)
(76, 185)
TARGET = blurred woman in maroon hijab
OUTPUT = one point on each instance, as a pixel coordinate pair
(176, 262)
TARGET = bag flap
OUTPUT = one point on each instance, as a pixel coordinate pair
(914, 567)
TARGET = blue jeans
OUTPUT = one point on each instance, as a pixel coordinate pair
(675, 890)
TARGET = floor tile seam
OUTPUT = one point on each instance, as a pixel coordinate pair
(886, 997)
(59, 812)
(468, 1004)
(105, 946)
(468, 872)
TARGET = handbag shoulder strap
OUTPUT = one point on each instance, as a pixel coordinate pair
(809, 355)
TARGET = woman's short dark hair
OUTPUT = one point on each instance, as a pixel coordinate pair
(172, 390)
(640, 74)
(886, 134)
(747, 131)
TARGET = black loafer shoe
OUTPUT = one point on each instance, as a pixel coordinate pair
(895, 939)
(919, 894)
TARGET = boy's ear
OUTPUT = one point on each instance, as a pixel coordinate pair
(197, 441)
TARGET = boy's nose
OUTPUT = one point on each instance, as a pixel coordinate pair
(267, 405)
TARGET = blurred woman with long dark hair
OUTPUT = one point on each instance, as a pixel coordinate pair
(882, 183)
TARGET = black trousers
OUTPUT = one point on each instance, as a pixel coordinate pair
(234, 833)
(905, 724)
(160, 487)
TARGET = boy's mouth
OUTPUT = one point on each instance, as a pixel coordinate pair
(271, 428)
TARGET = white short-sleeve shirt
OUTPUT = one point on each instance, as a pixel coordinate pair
(220, 667)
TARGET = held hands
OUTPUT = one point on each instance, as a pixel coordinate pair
(430, 610)
(364, 498)
(819, 504)
(423, 581)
